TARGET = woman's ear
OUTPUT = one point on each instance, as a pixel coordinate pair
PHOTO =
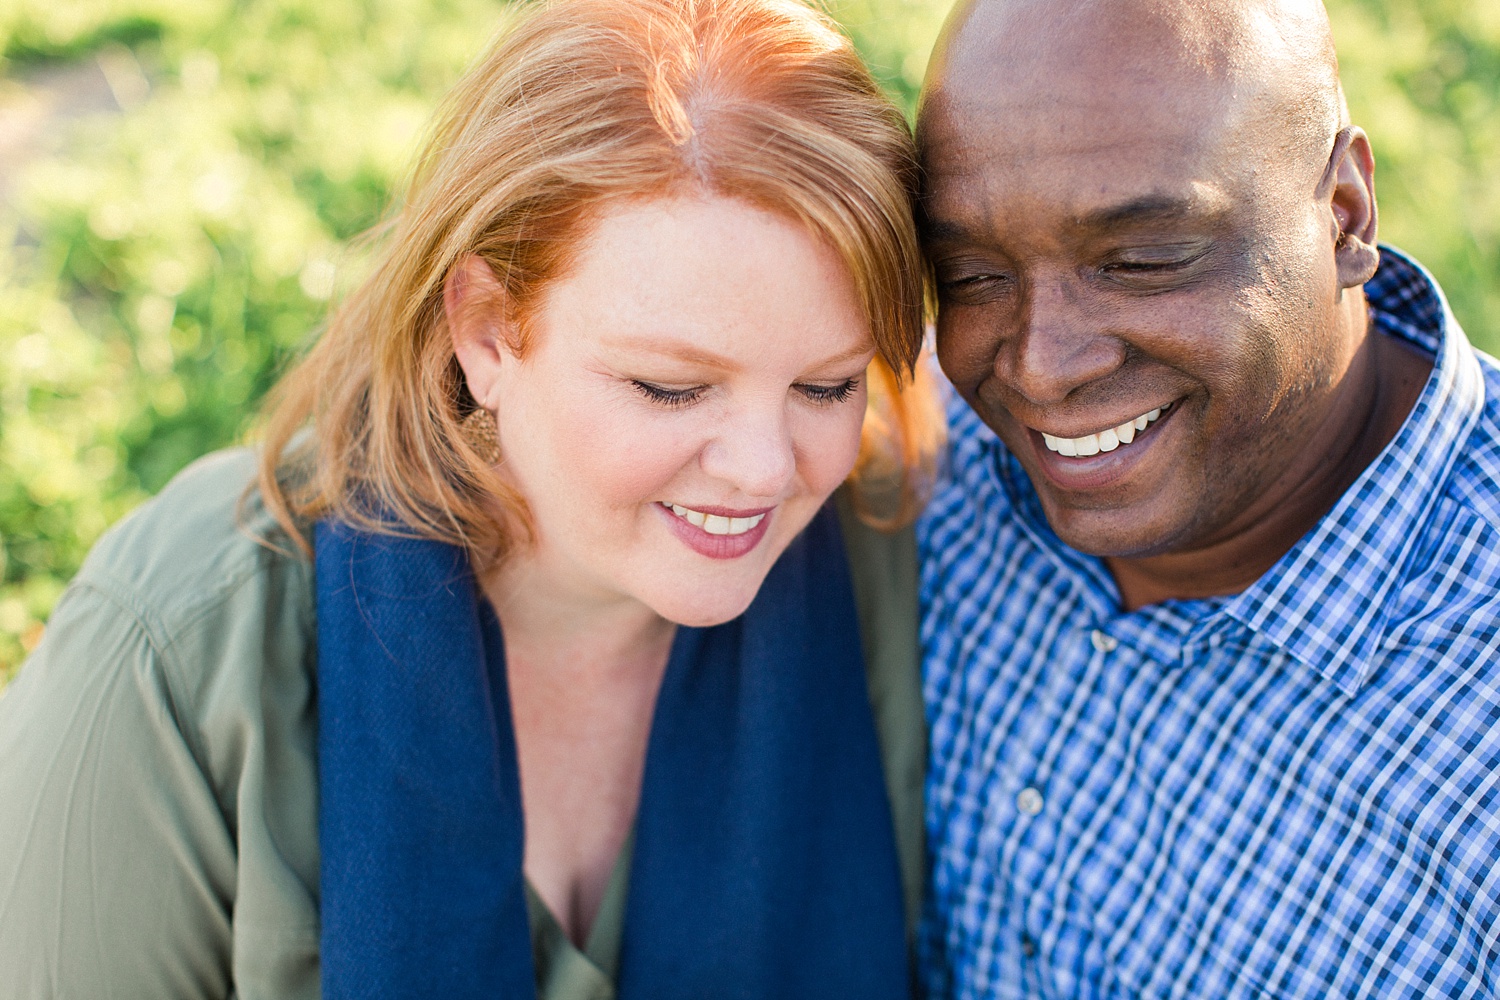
(484, 339)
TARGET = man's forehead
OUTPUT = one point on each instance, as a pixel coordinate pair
(1053, 73)
(1082, 156)
(977, 129)
(1047, 44)
(1025, 79)
(1220, 38)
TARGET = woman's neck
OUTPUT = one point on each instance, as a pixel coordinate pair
(583, 673)
(550, 617)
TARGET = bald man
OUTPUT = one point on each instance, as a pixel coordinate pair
(1211, 591)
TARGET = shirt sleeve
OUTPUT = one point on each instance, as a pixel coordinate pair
(117, 867)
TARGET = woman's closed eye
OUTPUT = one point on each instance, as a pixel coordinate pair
(666, 396)
(828, 394)
(814, 392)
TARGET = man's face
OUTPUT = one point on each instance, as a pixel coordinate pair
(1136, 293)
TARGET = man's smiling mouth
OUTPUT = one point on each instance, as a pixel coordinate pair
(1106, 440)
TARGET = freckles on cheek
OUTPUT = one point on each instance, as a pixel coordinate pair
(626, 456)
(826, 454)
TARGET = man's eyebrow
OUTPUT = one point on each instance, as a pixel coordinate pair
(1146, 208)
(942, 230)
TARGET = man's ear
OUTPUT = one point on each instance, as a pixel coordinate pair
(1351, 175)
(484, 339)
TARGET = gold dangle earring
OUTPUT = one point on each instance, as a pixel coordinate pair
(482, 434)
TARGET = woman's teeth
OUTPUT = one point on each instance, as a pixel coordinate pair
(1108, 440)
(715, 524)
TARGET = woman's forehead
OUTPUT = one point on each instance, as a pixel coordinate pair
(713, 280)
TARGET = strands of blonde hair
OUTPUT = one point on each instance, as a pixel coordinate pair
(578, 104)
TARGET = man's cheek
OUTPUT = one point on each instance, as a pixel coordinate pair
(966, 351)
(990, 400)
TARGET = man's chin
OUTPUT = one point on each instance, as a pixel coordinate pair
(1125, 532)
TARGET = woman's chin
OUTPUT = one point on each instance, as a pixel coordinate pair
(698, 609)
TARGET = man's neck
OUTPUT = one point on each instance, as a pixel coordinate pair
(1387, 378)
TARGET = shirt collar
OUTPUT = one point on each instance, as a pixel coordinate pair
(1323, 602)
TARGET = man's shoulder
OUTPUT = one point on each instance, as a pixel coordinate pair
(1452, 583)
(204, 537)
(1475, 482)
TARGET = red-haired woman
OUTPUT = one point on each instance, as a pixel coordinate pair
(530, 661)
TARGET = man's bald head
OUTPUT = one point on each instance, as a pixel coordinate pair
(1266, 67)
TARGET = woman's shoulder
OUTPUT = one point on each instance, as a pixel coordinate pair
(198, 599)
(173, 691)
(883, 571)
(187, 551)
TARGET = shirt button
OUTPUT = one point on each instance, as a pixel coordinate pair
(1028, 946)
(1104, 642)
(1029, 801)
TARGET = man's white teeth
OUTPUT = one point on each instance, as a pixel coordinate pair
(1106, 440)
(716, 524)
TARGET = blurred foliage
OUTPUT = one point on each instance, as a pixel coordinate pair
(165, 250)
(1423, 79)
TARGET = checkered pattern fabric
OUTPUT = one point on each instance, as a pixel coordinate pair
(1292, 792)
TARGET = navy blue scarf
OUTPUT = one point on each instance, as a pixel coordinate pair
(765, 861)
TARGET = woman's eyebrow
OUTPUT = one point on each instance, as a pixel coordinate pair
(837, 360)
(678, 350)
(692, 354)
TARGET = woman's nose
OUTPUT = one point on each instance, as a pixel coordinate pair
(752, 451)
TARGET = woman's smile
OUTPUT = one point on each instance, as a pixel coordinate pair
(717, 532)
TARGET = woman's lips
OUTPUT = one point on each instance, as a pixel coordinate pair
(717, 532)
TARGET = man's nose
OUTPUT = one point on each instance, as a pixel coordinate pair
(752, 450)
(1060, 344)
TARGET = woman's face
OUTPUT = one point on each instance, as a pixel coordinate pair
(692, 392)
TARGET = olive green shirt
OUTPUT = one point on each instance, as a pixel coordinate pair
(158, 768)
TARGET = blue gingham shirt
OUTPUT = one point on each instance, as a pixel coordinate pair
(1291, 792)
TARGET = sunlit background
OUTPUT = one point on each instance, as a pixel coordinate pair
(179, 180)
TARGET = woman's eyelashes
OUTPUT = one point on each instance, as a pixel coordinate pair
(672, 398)
(828, 393)
(814, 392)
